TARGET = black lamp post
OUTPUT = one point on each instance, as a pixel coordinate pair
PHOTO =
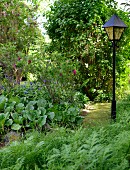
(114, 28)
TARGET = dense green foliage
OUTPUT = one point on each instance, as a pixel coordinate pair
(30, 106)
(44, 112)
(75, 28)
(87, 149)
(19, 33)
(80, 57)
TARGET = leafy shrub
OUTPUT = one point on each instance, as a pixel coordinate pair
(25, 112)
(59, 77)
(67, 114)
(30, 106)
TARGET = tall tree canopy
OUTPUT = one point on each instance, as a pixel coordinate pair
(18, 31)
(75, 27)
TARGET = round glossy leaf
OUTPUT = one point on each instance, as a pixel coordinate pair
(16, 127)
(20, 106)
(43, 111)
(14, 115)
(30, 107)
(41, 103)
(51, 115)
(30, 116)
(9, 122)
(42, 120)
(8, 109)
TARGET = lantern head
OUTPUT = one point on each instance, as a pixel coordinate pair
(114, 28)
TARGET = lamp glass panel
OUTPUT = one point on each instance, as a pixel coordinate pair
(118, 32)
(109, 31)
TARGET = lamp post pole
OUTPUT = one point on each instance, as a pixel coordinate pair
(114, 28)
(113, 110)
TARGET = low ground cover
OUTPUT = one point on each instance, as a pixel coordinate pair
(30, 106)
(92, 148)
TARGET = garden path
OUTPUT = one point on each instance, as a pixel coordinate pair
(99, 113)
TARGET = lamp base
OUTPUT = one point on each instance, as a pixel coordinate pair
(113, 110)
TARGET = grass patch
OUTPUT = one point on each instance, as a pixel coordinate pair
(98, 114)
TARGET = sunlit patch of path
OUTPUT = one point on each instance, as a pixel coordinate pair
(97, 114)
